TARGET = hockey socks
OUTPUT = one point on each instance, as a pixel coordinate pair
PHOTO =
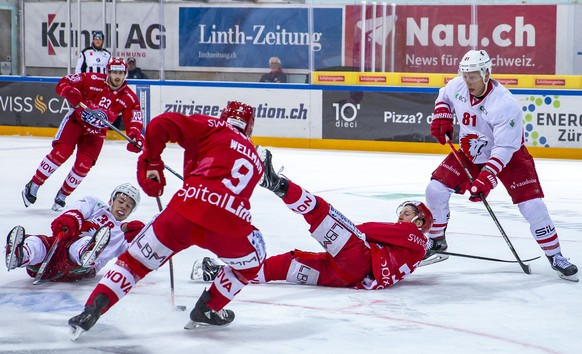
(299, 200)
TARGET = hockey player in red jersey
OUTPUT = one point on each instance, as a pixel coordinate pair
(211, 211)
(108, 96)
(78, 243)
(372, 255)
(492, 147)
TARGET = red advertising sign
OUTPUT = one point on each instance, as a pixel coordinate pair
(520, 39)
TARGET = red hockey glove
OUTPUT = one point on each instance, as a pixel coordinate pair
(135, 134)
(131, 229)
(72, 94)
(481, 186)
(69, 222)
(442, 124)
(154, 187)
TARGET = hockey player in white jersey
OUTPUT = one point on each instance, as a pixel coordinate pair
(492, 147)
(79, 254)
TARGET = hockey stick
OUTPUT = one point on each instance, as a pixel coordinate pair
(525, 267)
(111, 126)
(484, 258)
(171, 265)
(47, 258)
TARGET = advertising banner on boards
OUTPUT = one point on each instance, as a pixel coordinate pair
(31, 104)
(380, 116)
(432, 38)
(552, 120)
(246, 37)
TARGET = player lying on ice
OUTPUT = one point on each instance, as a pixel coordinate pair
(372, 255)
(78, 240)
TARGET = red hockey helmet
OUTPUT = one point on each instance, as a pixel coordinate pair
(116, 64)
(422, 213)
(240, 115)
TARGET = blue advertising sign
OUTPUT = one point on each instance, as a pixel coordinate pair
(247, 37)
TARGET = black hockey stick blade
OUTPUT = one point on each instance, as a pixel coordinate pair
(38, 278)
(486, 258)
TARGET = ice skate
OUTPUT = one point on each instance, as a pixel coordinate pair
(206, 269)
(29, 193)
(59, 201)
(563, 267)
(14, 249)
(437, 244)
(98, 242)
(271, 179)
(202, 315)
(87, 319)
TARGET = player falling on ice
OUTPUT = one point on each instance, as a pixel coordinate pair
(93, 232)
(106, 95)
(372, 255)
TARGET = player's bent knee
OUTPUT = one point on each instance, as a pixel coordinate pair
(300, 273)
(534, 210)
(60, 153)
(83, 164)
(148, 251)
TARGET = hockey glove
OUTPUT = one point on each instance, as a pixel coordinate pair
(135, 134)
(442, 124)
(72, 94)
(69, 223)
(482, 185)
(131, 229)
(152, 185)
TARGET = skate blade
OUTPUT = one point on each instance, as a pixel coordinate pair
(196, 270)
(57, 207)
(101, 240)
(191, 325)
(15, 237)
(573, 277)
(436, 258)
(27, 203)
(76, 333)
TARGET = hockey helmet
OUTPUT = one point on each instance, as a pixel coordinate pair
(128, 190)
(422, 213)
(240, 115)
(116, 64)
(476, 60)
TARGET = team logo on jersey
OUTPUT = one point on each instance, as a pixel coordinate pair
(472, 145)
(95, 118)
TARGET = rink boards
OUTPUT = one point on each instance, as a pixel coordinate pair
(331, 115)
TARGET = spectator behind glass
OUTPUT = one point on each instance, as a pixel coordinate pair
(133, 71)
(276, 74)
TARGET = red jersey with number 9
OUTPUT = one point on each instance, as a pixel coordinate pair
(221, 170)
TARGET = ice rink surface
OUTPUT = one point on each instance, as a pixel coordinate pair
(457, 306)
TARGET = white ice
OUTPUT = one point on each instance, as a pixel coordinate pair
(457, 306)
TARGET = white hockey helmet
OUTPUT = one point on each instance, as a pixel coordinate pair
(128, 190)
(476, 60)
